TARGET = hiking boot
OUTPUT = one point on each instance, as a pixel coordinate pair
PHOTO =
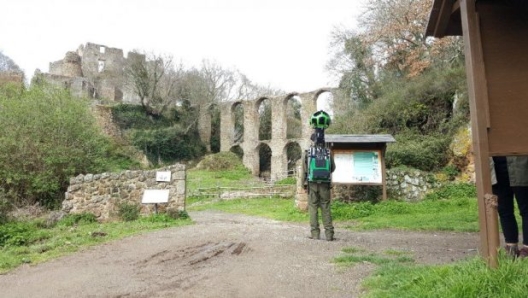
(315, 235)
(523, 252)
(330, 237)
(513, 251)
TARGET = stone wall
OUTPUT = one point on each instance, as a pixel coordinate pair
(410, 184)
(101, 194)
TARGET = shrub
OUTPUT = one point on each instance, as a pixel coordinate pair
(177, 214)
(451, 172)
(220, 162)
(169, 144)
(128, 211)
(5, 207)
(52, 136)
(426, 153)
(452, 191)
(128, 116)
(21, 234)
(78, 219)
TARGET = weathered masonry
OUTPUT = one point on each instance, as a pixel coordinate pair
(250, 145)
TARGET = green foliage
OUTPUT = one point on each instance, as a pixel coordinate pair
(423, 152)
(128, 211)
(469, 278)
(159, 218)
(352, 255)
(77, 219)
(168, 145)
(455, 214)
(21, 234)
(5, 207)
(52, 136)
(453, 190)
(128, 116)
(177, 214)
(418, 112)
(451, 172)
(274, 207)
(287, 181)
(166, 138)
(222, 161)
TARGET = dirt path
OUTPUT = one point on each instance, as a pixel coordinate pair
(226, 255)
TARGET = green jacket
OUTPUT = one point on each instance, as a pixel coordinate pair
(517, 170)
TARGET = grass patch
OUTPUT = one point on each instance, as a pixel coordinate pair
(353, 255)
(459, 214)
(29, 242)
(273, 208)
(469, 278)
(205, 179)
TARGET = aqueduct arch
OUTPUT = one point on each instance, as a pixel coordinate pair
(250, 144)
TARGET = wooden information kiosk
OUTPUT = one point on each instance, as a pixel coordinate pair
(495, 37)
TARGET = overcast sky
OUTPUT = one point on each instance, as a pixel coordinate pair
(283, 43)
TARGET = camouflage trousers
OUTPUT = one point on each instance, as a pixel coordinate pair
(319, 197)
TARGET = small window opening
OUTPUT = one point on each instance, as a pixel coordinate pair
(101, 66)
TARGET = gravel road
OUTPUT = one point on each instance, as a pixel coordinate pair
(226, 255)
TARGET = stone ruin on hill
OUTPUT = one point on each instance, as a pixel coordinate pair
(93, 71)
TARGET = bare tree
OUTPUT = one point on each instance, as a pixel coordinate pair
(154, 80)
(395, 29)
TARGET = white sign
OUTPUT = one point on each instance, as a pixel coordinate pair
(357, 167)
(154, 196)
(163, 176)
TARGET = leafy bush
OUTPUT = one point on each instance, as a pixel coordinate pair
(4, 207)
(128, 211)
(52, 136)
(221, 161)
(177, 214)
(453, 190)
(128, 116)
(423, 152)
(451, 172)
(78, 219)
(21, 234)
(349, 211)
(168, 144)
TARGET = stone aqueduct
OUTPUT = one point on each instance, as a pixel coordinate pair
(251, 144)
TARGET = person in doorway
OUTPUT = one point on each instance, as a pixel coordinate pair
(317, 167)
(509, 181)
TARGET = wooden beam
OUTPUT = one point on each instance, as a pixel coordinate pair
(477, 90)
(444, 16)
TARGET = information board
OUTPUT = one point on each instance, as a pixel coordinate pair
(164, 176)
(154, 196)
(357, 167)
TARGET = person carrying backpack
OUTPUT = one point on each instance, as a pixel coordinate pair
(318, 166)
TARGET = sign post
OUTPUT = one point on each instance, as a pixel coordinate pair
(157, 196)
